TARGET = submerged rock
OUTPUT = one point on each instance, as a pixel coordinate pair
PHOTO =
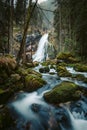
(35, 107)
(44, 70)
(64, 92)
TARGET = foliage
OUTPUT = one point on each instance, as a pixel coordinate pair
(70, 22)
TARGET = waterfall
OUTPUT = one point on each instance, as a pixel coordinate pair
(41, 52)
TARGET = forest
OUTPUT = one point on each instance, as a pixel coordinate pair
(43, 64)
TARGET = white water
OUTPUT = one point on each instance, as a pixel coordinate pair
(41, 53)
(72, 71)
(78, 124)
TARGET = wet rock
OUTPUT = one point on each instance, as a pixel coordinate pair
(44, 70)
(35, 107)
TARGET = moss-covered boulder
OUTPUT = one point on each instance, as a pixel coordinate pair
(33, 82)
(7, 64)
(7, 67)
(66, 57)
(64, 92)
(80, 67)
(62, 71)
(25, 71)
(44, 70)
(6, 120)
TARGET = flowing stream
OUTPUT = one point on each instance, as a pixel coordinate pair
(32, 112)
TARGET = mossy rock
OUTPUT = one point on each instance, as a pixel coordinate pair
(66, 91)
(79, 77)
(30, 71)
(52, 66)
(5, 95)
(63, 64)
(67, 57)
(81, 67)
(44, 70)
(29, 65)
(22, 71)
(36, 63)
(62, 71)
(6, 120)
(33, 82)
(7, 67)
(25, 71)
(49, 62)
(15, 77)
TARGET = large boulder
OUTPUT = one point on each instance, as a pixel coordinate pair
(66, 91)
(33, 82)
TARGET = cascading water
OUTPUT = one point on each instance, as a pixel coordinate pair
(33, 113)
(41, 52)
(32, 110)
(78, 124)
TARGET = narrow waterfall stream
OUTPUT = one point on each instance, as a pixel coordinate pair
(33, 113)
(41, 52)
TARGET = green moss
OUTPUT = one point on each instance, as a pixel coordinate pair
(67, 57)
(33, 82)
(64, 92)
(22, 71)
(30, 71)
(81, 67)
(79, 77)
(49, 62)
(62, 71)
(29, 65)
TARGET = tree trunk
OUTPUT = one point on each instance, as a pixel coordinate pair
(60, 36)
(10, 28)
(29, 15)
